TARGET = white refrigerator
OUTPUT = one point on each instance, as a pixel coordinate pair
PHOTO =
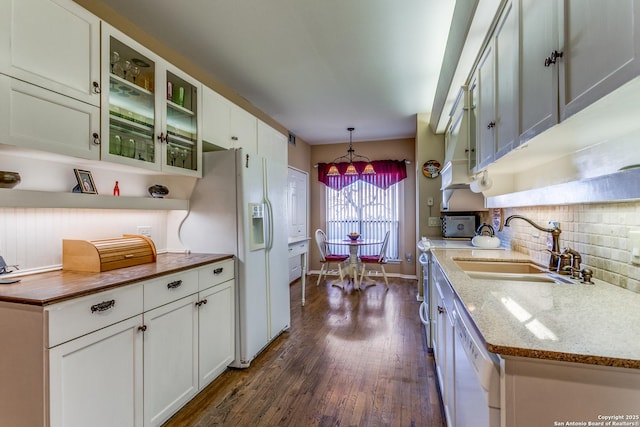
(239, 207)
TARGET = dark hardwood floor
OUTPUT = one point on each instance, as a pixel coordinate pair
(349, 359)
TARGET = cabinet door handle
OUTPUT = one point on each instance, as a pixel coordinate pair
(103, 306)
(491, 125)
(440, 310)
(552, 59)
(142, 328)
(174, 284)
(162, 138)
(218, 270)
(96, 87)
(199, 303)
(96, 138)
(234, 138)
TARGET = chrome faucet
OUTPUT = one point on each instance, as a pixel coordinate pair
(555, 234)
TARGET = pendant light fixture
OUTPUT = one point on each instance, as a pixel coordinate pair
(351, 169)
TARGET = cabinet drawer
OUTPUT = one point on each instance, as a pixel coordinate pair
(71, 319)
(296, 249)
(214, 274)
(169, 288)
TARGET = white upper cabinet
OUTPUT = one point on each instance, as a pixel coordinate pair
(486, 108)
(54, 44)
(600, 47)
(36, 118)
(226, 125)
(216, 114)
(272, 144)
(243, 130)
(506, 87)
(539, 78)
(497, 79)
(50, 77)
(573, 53)
(151, 110)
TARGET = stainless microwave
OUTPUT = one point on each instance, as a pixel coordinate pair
(459, 226)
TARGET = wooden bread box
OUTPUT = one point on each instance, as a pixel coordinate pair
(107, 254)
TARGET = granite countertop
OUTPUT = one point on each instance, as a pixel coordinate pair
(55, 286)
(595, 324)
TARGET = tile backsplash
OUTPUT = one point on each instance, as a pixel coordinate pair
(599, 232)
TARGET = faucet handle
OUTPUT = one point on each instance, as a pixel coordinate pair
(586, 276)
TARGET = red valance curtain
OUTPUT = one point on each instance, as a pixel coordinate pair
(388, 172)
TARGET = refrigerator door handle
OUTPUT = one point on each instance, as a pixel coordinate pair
(269, 242)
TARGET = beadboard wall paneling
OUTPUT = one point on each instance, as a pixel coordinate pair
(32, 238)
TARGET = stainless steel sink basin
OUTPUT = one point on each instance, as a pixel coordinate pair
(509, 271)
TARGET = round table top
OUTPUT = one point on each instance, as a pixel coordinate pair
(350, 242)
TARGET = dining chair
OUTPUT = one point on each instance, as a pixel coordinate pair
(326, 257)
(379, 259)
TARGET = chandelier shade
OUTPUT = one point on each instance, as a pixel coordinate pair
(350, 156)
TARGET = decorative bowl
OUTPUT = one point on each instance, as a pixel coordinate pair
(9, 179)
(158, 191)
(353, 236)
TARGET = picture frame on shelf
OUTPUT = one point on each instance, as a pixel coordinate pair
(85, 182)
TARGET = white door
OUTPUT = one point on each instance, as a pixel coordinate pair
(96, 380)
(216, 320)
(170, 359)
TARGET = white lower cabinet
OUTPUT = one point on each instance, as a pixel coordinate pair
(128, 356)
(97, 379)
(443, 342)
(216, 331)
(170, 358)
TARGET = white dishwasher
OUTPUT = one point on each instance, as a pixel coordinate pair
(477, 376)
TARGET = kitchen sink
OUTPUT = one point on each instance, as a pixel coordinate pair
(500, 267)
(509, 271)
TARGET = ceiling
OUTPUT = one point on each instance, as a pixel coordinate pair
(317, 67)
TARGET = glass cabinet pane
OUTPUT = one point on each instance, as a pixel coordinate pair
(131, 103)
(182, 124)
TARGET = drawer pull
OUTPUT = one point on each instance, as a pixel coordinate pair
(218, 270)
(103, 306)
(127, 256)
(175, 284)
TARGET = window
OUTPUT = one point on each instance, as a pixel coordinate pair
(365, 209)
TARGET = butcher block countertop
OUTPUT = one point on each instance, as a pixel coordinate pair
(595, 324)
(55, 286)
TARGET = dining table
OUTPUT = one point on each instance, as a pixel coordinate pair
(354, 246)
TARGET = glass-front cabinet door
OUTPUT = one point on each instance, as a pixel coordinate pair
(150, 110)
(181, 148)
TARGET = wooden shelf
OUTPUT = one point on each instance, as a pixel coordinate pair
(11, 198)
